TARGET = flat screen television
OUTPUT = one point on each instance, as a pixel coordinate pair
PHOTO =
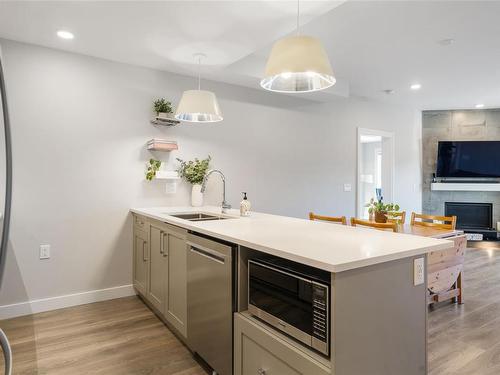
(468, 159)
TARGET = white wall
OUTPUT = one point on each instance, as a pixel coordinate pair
(79, 128)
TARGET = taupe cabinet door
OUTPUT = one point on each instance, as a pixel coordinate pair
(175, 308)
(156, 293)
(160, 271)
(141, 261)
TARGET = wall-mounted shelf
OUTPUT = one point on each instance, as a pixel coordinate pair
(164, 121)
(157, 144)
(167, 175)
(463, 186)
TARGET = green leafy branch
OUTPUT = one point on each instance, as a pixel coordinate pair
(153, 167)
(194, 170)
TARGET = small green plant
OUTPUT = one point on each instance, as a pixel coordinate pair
(162, 105)
(381, 211)
(153, 167)
(380, 206)
(193, 170)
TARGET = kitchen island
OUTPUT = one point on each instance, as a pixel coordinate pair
(377, 321)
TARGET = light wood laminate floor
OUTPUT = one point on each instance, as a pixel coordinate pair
(465, 339)
(120, 336)
(123, 336)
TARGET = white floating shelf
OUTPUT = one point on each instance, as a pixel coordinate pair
(462, 186)
(167, 175)
(165, 121)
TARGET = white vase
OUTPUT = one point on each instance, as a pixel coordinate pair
(196, 196)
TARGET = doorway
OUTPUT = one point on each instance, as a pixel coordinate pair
(375, 168)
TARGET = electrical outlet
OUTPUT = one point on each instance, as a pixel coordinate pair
(44, 251)
(418, 271)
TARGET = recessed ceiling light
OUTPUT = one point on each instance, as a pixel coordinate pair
(416, 86)
(480, 105)
(446, 42)
(63, 34)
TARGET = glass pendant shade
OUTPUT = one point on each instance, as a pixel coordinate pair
(298, 64)
(198, 106)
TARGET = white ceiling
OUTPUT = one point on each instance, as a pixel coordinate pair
(373, 45)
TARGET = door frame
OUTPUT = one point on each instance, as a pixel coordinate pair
(384, 134)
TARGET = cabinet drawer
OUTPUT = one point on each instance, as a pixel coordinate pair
(259, 351)
(257, 360)
(140, 222)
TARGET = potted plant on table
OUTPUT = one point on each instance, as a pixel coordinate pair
(380, 210)
(194, 171)
(163, 108)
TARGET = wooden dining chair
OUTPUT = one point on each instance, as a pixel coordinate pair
(443, 222)
(371, 224)
(396, 217)
(332, 219)
(445, 272)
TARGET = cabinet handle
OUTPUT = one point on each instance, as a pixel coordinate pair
(165, 243)
(144, 252)
(161, 242)
(261, 371)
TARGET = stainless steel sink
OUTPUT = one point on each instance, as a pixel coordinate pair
(199, 216)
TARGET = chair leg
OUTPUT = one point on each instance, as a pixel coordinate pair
(459, 285)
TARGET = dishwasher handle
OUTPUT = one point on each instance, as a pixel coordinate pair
(207, 253)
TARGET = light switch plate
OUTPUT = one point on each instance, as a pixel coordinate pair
(171, 187)
(347, 187)
(418, 271)
(44, 251)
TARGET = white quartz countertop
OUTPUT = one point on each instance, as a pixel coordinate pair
(331, 247)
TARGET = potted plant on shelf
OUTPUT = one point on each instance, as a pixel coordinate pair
(153, 167)
(194, 171)
(163, 108)
(380, 210)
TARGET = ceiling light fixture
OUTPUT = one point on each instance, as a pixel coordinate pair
(198, 105)
(416, 86)
(480, 105)
(63, 34)
(446, 42)
(298, 64)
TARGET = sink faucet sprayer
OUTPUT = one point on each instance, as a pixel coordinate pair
(225, 205)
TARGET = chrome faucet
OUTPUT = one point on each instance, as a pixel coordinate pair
(225, 205)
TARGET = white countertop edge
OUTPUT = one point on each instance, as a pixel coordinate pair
(294, 257)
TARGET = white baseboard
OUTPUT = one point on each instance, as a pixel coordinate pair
(59, 302)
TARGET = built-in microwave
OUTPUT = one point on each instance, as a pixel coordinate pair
(293, 298)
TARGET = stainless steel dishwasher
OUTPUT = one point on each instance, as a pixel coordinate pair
(211, 297)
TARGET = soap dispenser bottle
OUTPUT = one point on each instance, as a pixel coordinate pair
(245, 206)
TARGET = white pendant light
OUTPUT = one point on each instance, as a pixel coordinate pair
(298, 64)
(198, 105)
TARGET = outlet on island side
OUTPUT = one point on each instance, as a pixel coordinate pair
(418, 271)
(44, 251)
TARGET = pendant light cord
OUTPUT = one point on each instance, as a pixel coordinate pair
(298, 16)
(199, 72)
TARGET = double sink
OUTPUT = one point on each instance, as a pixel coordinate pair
(200, 216)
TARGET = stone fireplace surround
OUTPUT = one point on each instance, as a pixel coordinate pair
(456, 125)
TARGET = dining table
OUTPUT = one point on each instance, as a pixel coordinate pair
(434, 232)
